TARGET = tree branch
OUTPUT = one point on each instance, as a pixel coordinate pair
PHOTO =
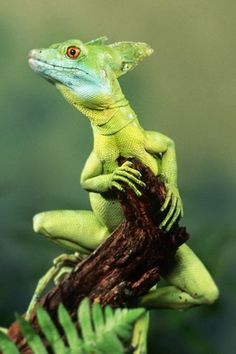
(124, 266)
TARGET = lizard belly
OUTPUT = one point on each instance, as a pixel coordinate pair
(131, 143)
(128, 143)
(107, 210)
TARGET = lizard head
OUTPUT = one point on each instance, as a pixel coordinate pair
(87, 73)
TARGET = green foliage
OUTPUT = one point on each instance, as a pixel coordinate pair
(102, 331)
(6, 346)
(31, 337)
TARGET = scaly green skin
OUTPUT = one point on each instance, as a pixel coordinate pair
(89, 82)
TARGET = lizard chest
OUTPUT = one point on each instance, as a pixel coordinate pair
(126, 143)
(107, 150)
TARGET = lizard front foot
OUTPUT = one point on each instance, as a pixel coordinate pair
(125, 174)
(175, 205)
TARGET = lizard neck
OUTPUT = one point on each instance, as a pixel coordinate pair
(108, 120)
(120, 118)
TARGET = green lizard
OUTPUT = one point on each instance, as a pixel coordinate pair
(87, 76)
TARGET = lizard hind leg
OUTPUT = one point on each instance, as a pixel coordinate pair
(76, 230)
(190, 284)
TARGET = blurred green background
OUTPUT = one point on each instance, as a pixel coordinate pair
(185, 90)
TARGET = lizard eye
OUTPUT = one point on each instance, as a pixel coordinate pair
(73, 52)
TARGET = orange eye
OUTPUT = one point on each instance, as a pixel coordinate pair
(73, 52)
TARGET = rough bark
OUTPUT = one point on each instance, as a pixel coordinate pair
(127, 264)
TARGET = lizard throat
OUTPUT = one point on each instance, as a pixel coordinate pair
(115, 124)
(106, 121)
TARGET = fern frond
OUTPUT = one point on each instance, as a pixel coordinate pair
(111, 327)
(71, 333)
(102, 331)
(50, 331)
(32, 338)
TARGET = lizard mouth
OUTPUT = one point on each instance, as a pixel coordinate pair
(49, 70)
(40, 65)
(39, 62)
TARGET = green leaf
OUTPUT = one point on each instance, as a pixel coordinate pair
(108, 313)
(84, 316)
(71, 333)
(6, 345)
(109, 343)
(98, 319)
(50, 331)
(124, 319)
(92, 325)
(108, 340)
(33, 339)
(103, 331)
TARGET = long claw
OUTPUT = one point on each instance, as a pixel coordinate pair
(170, 213)
(132, 171)
(64, 257)
(167, 200)
(127, 163)
(130, 177)
(127, 166)
(43, 282)
(175, 207)
(117, 186)
(173, 220)
(130, 184)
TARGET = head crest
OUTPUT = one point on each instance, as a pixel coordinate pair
(99, 40)
(130, 54)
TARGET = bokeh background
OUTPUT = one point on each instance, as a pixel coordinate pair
(185, 90)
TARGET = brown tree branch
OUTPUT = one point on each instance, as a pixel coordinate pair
(126, 265)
